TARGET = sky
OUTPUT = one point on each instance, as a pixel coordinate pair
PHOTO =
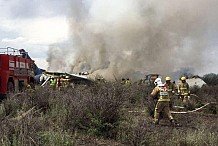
(33, 25)
(39, 25)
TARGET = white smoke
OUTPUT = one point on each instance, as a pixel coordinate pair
(121, 37)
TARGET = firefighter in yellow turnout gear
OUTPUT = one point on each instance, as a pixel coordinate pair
(171, 88)
(128, 82)
(160, 92)
(183, 90)
(123, 81)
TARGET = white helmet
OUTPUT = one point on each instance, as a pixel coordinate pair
(160, 84)
(157, 81)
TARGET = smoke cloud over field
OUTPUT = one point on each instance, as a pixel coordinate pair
(123, 37)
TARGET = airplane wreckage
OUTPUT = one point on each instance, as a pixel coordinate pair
(64, 77)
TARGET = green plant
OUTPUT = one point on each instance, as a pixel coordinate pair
(56, 138)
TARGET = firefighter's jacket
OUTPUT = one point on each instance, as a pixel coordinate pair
(123, 82)
(171, 88)
(128, 82)
(183, 89)
(161, 93)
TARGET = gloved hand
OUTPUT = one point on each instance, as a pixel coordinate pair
(179, 92)
(189, 97)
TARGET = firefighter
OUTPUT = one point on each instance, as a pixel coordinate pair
(28, 88)
(53, 83)
(128, 82)
(67, 81)
(42, 78)
(171, 90)
(123, 81)
(175, 86)
(59, 83)
(183, 91)
(160, 92)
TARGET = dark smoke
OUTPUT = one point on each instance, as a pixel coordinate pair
(122, 37)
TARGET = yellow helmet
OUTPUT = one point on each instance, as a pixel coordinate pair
(183, 78)
(168, 78)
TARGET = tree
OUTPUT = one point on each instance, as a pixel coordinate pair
(211, 79)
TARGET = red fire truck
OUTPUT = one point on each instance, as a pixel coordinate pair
(16, 70)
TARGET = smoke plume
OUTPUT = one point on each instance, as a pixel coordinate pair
(124, 37)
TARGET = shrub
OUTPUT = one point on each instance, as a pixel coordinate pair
(98, 110)
(211, 79)
(56, 138)
(94, 110)
(67, 117)
(134, 131)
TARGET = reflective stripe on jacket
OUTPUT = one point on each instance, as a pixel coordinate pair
(161, 93)
(183, 88)
(170, 88)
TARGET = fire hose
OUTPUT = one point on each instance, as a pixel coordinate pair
(186, 112)
(192, 111)
(195, 110)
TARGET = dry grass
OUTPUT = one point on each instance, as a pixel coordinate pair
(98, 115)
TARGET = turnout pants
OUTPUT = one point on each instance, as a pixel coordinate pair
(162, 106)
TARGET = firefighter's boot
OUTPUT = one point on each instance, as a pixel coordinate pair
(156, 122)
(173, 123)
